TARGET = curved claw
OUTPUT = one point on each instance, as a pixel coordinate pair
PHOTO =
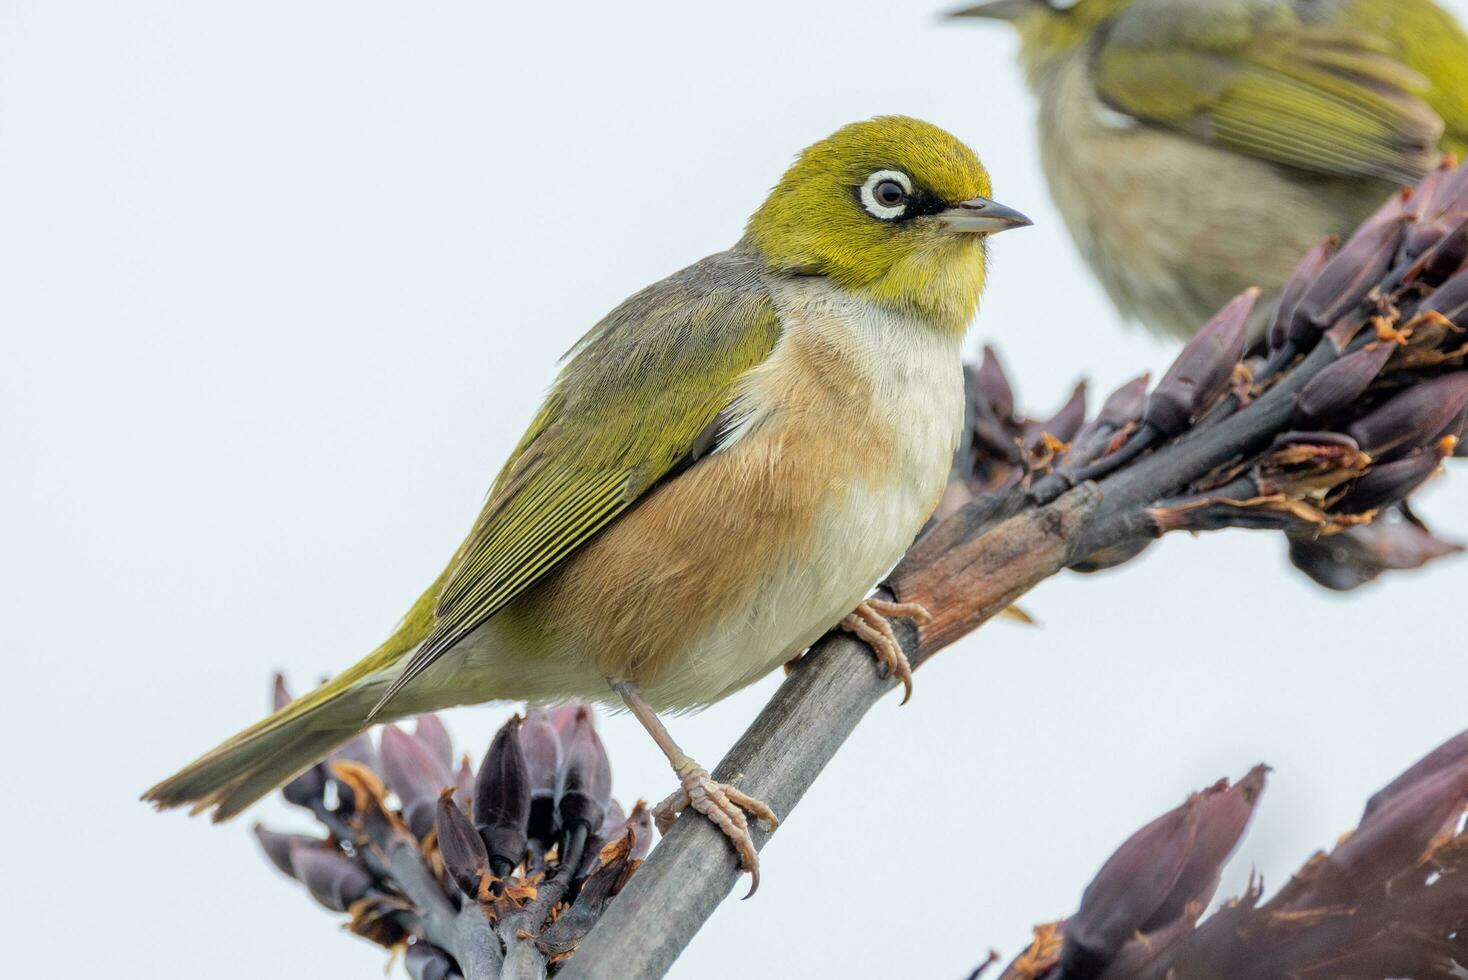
(871, 622)
(724, 806)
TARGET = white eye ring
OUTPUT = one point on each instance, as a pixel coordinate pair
(875, 208)
(1062, 5)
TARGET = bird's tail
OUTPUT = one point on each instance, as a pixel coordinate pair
(244, 768)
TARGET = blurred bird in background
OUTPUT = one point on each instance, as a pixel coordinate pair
(1199, 147)
(725, 467)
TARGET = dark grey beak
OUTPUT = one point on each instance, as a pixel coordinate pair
(981, 216)
(997, 10)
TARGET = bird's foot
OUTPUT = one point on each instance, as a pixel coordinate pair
(871, 622)
(724, 806)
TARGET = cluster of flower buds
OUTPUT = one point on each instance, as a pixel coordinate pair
(1363, 377)
(1387, 901)
(469, 871)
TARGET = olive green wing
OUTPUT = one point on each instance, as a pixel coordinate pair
(1430, 41)
(1252, 76)
(642, 396)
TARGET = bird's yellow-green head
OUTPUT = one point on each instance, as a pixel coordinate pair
(1049, 30)
(893, 209)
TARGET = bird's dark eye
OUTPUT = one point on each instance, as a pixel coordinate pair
(885, 194)
(889, 193)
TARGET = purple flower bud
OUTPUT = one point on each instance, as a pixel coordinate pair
(278, 847)
(1162, 876)
(1450, 299)
(592, 898)
(1202, 372)
(542, 748)
(1431, 210)
(1423, 236)
(1349, 278)
(333, 880)
(586, 785)
(1360, 555)
(430, 732)
(1391, 483)
(1412, 417)
(1129, 889)
(502, 800)
(994, 441)
(464, 854)
(1444, 257)
(307, 788)
(424, 962)
(1338, 387)
(1301, 280)
(563, 719)
(1064, 425)
(1223, 813)
(412, 771)
(1398, 834)
(586, 788)
(994, 386)
(1122, 408)
(1452, 754)
(1126, 403)
(1428, 198)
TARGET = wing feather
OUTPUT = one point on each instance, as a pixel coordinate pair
(1252, 76)
(641, 397)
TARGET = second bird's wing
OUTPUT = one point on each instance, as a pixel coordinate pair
(642, 396)
(1428, 39)
(1250, 75)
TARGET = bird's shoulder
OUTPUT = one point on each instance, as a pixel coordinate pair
(665, 355)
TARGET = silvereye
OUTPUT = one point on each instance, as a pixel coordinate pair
(1199, 147)
(726, 465)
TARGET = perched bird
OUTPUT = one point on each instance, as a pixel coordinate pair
(1199, 147)
(725, 467)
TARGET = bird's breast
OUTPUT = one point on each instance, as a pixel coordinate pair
(843, 441)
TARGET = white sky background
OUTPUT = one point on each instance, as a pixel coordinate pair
(282, 285)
